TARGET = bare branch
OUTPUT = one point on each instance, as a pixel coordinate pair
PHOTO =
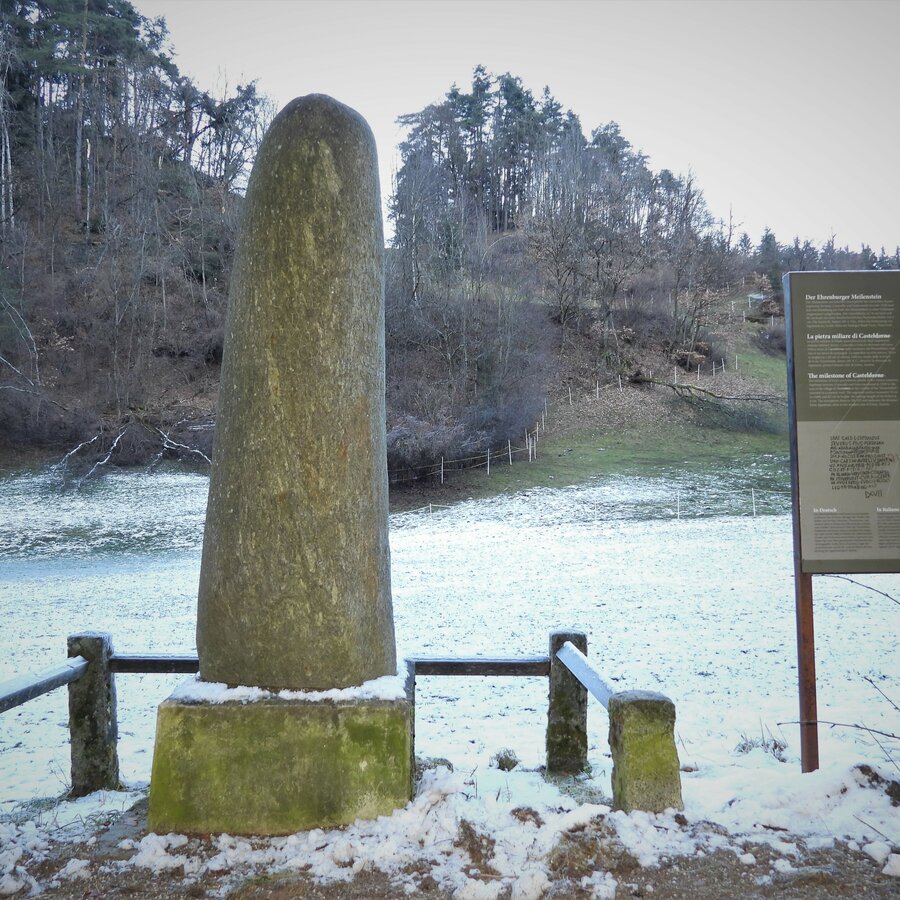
(106, 458)
(871, 827)
(872, 731)
(169, 444)
(21, 325)
(693, 392)
(18, 372)
(96, 437)
(883, 749)
(868, 587)
(38, 394)
(880, 691)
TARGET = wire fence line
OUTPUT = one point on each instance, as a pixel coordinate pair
(687, 504)
(503, 455)
(479, 461)
(510, 453)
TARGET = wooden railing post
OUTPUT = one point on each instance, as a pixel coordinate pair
(93, 727)
(567, 712)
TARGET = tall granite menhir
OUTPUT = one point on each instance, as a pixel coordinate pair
(295, 578)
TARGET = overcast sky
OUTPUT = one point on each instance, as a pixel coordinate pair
(786, 112)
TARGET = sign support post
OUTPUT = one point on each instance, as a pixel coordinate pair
(806, 672)
(803, 591)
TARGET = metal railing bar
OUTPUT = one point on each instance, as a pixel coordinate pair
(580, 666)
(153, 664)
(20, 690)
(534, 665)
(147, 663)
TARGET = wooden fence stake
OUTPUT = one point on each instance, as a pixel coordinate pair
(442, 470)
(489, 462)
(93, 727)
(567, 712)
(509, 448)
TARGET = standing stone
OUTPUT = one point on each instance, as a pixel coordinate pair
(295, 580)
(295, 576)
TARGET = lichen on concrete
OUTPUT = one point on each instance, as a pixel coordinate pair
(646, 773)
(278, 766)
(295, 575)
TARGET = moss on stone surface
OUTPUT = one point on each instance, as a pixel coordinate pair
(567, 710)
(93, 726)
(295, 576)
(646, 772)
(278, 766)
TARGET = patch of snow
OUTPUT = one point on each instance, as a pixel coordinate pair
(153, 852)
(75, 868)
(531, 886)
(892, 867)
(878, 850)
(650, 837)
(195, 690)
(601, 884)
(699, 609)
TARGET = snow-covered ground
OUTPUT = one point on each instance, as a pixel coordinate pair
(699, 608)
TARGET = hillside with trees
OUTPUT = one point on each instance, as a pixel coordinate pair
(119, 203)
(525, 256)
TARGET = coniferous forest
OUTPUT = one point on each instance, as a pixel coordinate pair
(523, 251)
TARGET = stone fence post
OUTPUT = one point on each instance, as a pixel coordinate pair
(646, 773)
(93, 727)
(567, 711)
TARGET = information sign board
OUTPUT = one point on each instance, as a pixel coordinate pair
(844, 399)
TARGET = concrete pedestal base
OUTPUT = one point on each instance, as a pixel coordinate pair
(275, 766)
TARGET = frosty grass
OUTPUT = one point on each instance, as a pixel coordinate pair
(700, 609)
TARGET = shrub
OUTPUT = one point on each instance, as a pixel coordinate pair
(772, 340)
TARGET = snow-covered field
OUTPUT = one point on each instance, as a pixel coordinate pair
(699, 608)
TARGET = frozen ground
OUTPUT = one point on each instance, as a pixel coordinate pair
(700, 608)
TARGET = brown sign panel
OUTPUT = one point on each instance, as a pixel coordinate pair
(844, 396)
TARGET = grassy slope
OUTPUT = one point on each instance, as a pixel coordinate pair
(581, 448)
(574, 458)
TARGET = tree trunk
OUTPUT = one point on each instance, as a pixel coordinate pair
(79, 116)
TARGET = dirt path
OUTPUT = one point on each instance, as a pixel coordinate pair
(588, 862)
